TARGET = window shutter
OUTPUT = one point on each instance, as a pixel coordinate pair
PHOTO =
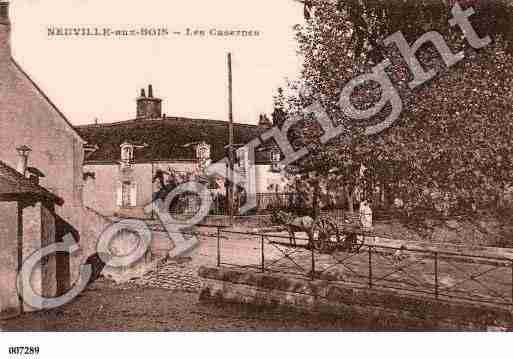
(133, 194)
(119, 194)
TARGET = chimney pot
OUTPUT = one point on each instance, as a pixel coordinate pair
(150, 91)
(143, 93)
(23, 152)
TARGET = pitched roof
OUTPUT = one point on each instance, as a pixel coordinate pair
(169, 138)
(13, 184)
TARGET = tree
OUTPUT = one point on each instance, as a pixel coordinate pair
(279, 115)
(453, 142)
(373, 20)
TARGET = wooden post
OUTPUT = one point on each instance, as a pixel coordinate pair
(263, 254)
(218, 246)
(370, 266)
(436, 275)
(231, 188)
(312, 249)
(511, 284)
(316, 198)
(152, 193)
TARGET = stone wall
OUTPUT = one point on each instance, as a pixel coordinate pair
(27, 117)
(101, 192)
(23, 232)
(243, 223)
(92, 226)
(9, 236)
(228, 285)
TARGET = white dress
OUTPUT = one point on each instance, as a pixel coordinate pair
(366, 217)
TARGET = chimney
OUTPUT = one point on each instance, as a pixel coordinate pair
(23, 152)
(264, 121)
(5, 32)
(149, 107)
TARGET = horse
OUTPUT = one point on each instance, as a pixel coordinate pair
(296, 224)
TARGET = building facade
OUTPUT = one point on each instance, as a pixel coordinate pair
(39, 142)
(131, 160)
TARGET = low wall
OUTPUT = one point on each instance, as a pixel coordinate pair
(445, 247)
(237, 286)
(92, 224)
(254, 221)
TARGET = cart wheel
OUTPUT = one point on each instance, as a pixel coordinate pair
(352, 242)
(358, 244)
(325, 233)
(346, 242)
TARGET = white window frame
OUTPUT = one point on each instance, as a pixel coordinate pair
(132, 194)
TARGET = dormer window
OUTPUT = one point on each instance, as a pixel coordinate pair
(127, 152)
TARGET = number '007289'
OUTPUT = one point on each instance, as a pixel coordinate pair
(29, 350)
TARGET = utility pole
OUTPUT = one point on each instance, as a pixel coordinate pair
(231, 188)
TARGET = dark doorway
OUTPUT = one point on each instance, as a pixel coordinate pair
(63, 270)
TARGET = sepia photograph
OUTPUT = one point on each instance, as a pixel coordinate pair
(255, 167)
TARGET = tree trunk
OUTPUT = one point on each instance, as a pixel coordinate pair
(316, 200)
(382, 194)
(349, 197)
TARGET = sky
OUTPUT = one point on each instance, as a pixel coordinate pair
(91, 77)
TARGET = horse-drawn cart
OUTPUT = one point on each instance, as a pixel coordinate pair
(325, 233)
(348, 235)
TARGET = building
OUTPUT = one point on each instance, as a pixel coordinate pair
(28, 222)
(126, 157)
(38, 140)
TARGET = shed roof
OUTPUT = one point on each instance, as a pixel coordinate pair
(14, 185)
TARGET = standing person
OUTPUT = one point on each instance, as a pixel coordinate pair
(366, 215)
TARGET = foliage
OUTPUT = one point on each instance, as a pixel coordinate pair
(452, 148)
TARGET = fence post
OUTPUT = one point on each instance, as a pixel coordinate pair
(313, 259)
(263, 256)
(370, 266)
(218, 246)
(512, 284)
(436, 275)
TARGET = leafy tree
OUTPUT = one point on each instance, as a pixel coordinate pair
(279, 115)
(452, 146)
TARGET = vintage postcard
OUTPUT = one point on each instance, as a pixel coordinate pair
(255, 166)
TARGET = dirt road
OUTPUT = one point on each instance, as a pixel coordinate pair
(109, 307)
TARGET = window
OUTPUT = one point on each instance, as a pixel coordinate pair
(242, 161)
(127, 194)
(275, 160)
